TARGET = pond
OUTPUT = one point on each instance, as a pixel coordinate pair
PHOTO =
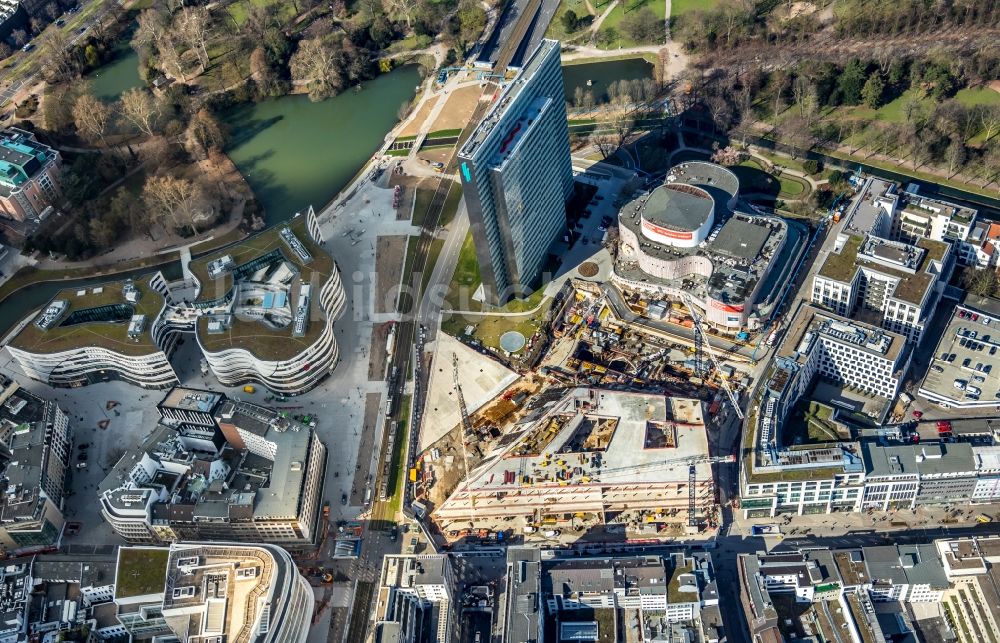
(602, 74)
(295, 153)
(120, 74)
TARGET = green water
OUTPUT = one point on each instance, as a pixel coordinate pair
(602, 74)
(121, 74)
(295, 153)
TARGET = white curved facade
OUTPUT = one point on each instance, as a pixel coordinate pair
(273, 602)
(83, 365)
(91, 364)
(297, 373)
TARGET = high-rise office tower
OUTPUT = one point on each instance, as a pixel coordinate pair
(517, 175)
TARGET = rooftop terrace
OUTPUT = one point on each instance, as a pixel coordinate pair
(267, 342)
(96, 316)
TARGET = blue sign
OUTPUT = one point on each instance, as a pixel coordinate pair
(465, 172)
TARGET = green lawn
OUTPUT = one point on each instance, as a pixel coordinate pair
(680, 7)
(623, 8)
(141, 571)
(466, 276)
(238, 10)
(398, 467)
(555, 29)
(450, 205)
(488, 330)
(444, 133)
(432, 256)
(978, 96)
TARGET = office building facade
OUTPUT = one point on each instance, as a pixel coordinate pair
(29, 175)
(516, 173)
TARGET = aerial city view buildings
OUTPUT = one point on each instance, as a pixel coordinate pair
(633, 322)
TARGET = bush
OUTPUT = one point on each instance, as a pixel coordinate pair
(836, 177)
(811, 166)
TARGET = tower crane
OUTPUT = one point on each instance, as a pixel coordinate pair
(692, 463)
(466, 431)
(701, 339)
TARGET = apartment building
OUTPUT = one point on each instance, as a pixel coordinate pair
(891, 283)
(37, 441)
(416, 600)
(265, 489)
(516, 175)
(670, 597)
(921, 217)
(29, 174)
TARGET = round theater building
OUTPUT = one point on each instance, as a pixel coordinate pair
(685, 239)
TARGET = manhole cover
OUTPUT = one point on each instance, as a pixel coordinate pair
(512, 341)
(587, 269)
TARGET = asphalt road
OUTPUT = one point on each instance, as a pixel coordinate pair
(8, 93)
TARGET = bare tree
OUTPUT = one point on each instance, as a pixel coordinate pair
(170, 58)
(174, 199)
(192, 25)
(404, 8)
(989, 118)
(138, 107)
(313, 63)
(204, 133)
(92, 117)
(20, 37)
(153, 25)
(52, 11)
(604, 142)
(57, 61)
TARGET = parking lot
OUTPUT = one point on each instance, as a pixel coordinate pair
(964, 367)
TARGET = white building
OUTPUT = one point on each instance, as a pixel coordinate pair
(416, 600)
(213, 592)
(96, 334)
(899, 284)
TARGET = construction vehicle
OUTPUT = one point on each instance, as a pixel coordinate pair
(249, 389)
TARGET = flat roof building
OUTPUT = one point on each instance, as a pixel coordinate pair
(93, 334)
(242, 593)
(964, 370)
(516, 174)
(675, 595)
(883, 273)
(36, 440)
(415, 600)
(263, 483)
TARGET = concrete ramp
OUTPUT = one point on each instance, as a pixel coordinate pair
(482, 380)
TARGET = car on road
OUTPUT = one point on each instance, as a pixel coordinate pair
(84, 446)
(60, 22)
(394, 534)
(343, 498)
(28, 47)
(918, 414)
(81, 465)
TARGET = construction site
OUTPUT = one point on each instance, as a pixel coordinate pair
(609, 434)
